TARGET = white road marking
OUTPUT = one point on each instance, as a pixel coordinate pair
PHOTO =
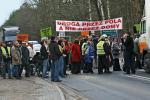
(86, 77)
(137, 77)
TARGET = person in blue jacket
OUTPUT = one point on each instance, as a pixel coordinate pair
(89, 56)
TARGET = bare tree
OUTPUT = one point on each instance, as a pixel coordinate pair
(37, 14)
(108, 9)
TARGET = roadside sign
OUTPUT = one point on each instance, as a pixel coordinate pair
(62, 34)
(138, 27)
(22, 37)
(110, 32)
(32, 33)
(46, 32)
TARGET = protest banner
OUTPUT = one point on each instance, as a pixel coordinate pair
(79, 26)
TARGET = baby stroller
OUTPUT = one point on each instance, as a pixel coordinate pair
(32, 67)
(37, 64)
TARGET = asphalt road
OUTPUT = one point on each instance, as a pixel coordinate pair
(115, 86)
(31, 88)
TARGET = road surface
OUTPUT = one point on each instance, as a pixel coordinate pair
(115, 86)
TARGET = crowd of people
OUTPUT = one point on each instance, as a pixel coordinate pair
(59, 55)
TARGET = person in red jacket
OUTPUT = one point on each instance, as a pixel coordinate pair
(76, 58)
(67, 50)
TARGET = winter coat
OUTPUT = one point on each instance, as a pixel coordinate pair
(107, 48)
(54, 51)
(115, 50)
(76, 53)
(16, 56)
(129, 45)
(44, 53)
(25, 55)
(31, 52)
(89, 54)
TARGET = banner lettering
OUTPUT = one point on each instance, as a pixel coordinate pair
(79, 26)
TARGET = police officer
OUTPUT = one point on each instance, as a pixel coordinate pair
(101, 55)
(6, 60)
(101, 52)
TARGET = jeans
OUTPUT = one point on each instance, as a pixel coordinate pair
(16, 71)
(55, 70)
(45, 67)
(61, 66)
(7, 69)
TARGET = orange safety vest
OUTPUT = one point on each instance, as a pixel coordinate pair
(142, 46)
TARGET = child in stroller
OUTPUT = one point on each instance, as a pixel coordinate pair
(38, 63)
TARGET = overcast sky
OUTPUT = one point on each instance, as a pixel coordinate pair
(7, 7)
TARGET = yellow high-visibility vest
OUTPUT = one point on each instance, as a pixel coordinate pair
(4, 51)
(84, 47)
(100, 48)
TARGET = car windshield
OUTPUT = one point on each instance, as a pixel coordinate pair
(33, 42)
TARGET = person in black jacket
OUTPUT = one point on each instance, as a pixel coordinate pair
(6, 55)
(129, 54)
(44, 58)
(55, 55)
(25, 59)
(107, 49)
(1, 59)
